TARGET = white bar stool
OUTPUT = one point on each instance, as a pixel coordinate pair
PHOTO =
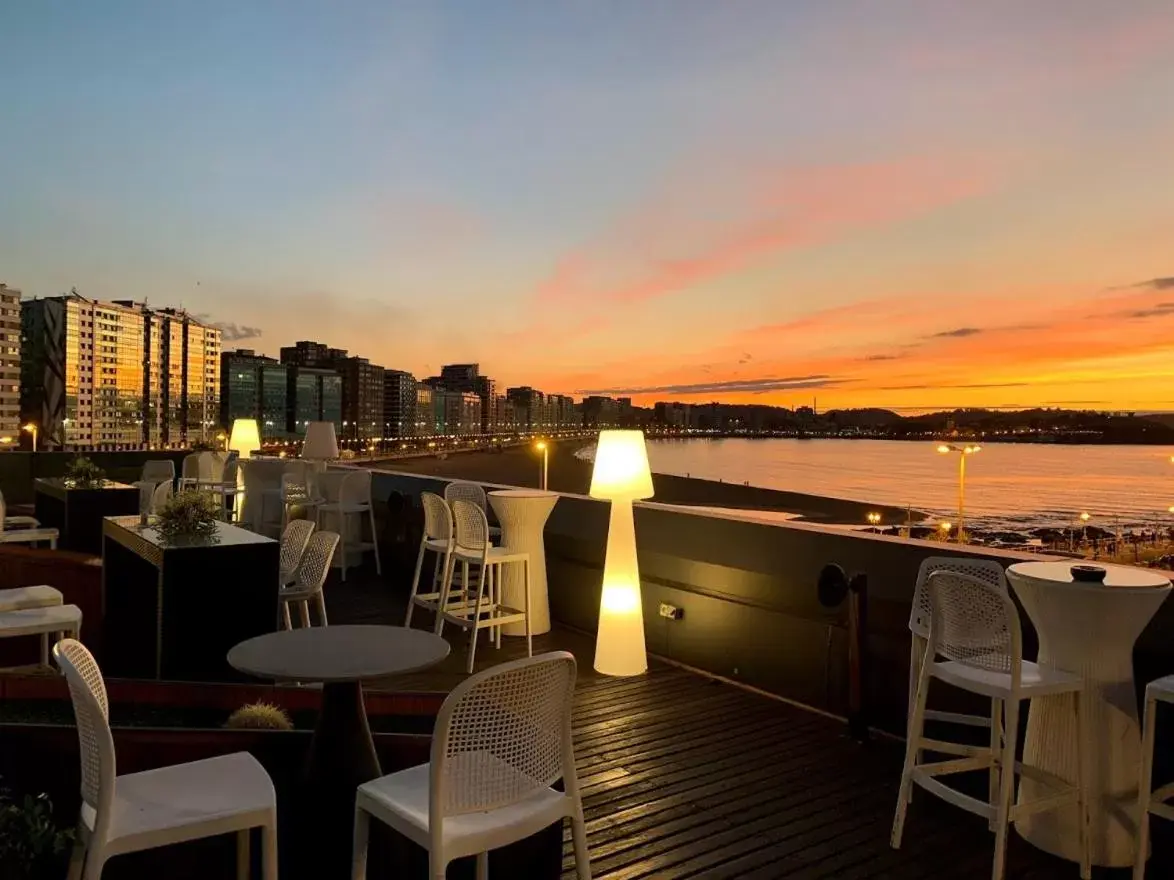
(1151, 801)
(975, 627)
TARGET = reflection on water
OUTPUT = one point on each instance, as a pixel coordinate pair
(1007, 484)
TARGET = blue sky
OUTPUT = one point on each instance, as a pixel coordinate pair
(627, 195)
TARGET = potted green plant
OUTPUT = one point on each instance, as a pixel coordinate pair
(189, 516)
(83, 473)
(32, 846)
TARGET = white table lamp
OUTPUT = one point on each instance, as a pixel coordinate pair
(320, 444)
(245, 438)
(621, 475)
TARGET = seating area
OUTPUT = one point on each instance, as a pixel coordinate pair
(671, 773)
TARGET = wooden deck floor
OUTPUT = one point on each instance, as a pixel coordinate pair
(685, 777)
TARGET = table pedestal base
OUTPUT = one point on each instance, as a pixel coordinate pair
(342, 757)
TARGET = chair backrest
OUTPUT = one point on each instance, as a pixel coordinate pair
(191, 466)
(974, 622)
(207, 467)
(437, 517)
(355, 488)
(157, 470)
(503, 734)
(984, 569)
(87, 691)
(293, 546)
(293, 488)
(472, 528)
(160, 496)
(460, 490)
(316, 561)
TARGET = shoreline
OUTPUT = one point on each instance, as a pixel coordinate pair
(522, 466)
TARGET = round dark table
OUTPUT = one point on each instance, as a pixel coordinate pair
(342, 753)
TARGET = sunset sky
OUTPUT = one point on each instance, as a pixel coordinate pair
(904, 204)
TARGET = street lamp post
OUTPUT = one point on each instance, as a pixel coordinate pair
(544, 449)
(32, 429)
(963, 452)
(874, 519)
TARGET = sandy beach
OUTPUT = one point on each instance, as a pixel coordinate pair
(522, 466)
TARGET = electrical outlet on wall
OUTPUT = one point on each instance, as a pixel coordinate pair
(672, 612)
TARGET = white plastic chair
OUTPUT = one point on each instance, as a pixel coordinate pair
(296, 492)
(354, 499)
(44, 620)
(157, 470)
(311, 577)
(439, 537)
(1151, 801)
(294, 539)
(987, 570)
(189, 475)
(18, 522)
(501, 740)
(975, 627)
(160, 497)
(482, 609)
(138, 811)
(461, 490)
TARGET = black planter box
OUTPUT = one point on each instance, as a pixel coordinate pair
(78, 512)
(173, 611)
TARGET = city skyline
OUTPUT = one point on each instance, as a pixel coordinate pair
(954, 205)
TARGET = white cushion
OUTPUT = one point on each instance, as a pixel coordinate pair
(33, 621)
(40, 596)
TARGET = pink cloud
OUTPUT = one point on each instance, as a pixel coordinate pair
(693, 233)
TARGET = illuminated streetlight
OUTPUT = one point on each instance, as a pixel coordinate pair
(963, 452)
(945, 527)
(545, 450)
(32, 429)
(874, 518)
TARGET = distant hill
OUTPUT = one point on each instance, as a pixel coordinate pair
(873, 417)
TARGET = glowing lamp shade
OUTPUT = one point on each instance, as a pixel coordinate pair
(320, 443)
(621, 467)
(621, 474)
(245, 437)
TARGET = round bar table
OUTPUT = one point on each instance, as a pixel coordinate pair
(1088, 629)
(523, 514)
(342, 753)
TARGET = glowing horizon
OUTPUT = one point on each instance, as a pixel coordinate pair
(950, 205)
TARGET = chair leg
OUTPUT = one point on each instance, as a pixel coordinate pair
(44, 649)
(304, 612)
(579, 836)
(285, 615)
(529, 625)
(1083, 745)
(269, 850)
(476, 616)
(342, 542)
(912, 751)
(445, 585)
(916, 658)
(95, 861)
(416, 583)
(483, 866)
(359, 848)
(1144, 791)
(77, 856)
(320, 605)
(996, 755)
(375, 541)
(242, 854)
(1006, 784)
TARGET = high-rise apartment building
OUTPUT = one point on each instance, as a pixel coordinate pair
(467, 378)
(312, 395)
(118, 375)
(362, 386)
(9, 363)
(254, 386)
(399, 404)
(427, 423)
